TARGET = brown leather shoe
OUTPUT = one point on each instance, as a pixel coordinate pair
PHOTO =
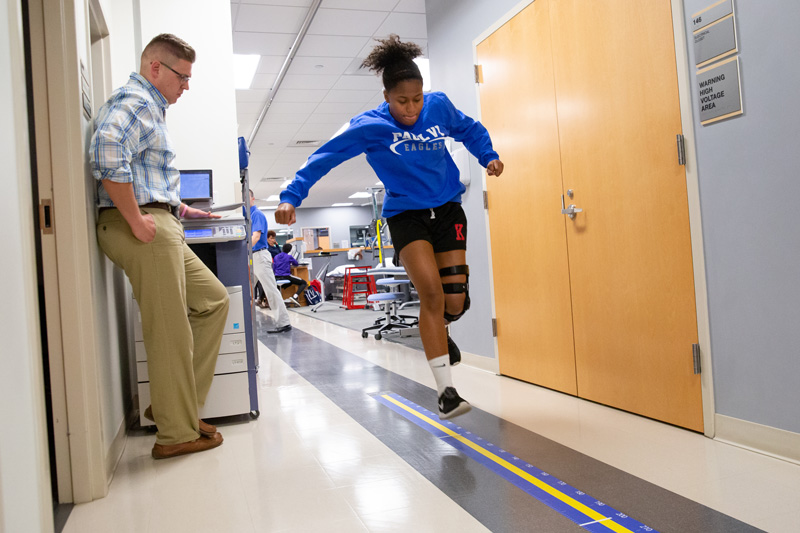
(162, 451)
(206, 429)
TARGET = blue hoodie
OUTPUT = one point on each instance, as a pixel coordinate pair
(412, 161)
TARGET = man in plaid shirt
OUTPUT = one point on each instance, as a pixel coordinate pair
(138, 229)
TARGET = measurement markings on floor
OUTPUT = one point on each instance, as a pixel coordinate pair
(589, 513)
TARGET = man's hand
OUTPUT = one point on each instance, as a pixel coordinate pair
(145, 228)
(494, 168)
(191, 212)
(285, 214)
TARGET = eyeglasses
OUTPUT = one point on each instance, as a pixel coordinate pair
(183, 77)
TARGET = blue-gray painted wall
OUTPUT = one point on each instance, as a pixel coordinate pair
(748, 171)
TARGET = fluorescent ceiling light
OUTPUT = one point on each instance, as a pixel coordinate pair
(274, 198)
(360, 195)
(244, 68)
(267, 207)
(285, 184)
(344, 204)
(425, 70)
(341, 130)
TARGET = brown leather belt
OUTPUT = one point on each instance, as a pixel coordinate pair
(157, 205)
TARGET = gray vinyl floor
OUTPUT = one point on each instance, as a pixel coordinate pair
(348, 440)
(482, 490)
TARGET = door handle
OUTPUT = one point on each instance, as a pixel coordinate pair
(570, 210)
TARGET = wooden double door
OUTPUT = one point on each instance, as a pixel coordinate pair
(581, 100)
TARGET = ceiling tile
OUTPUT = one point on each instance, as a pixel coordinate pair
(300, 81)
(406, 25)
(345, 22)
(332, 118)
(358, 83)
(293, 107)
(319, 66)
(251, 95)
(312, 105)
(360, 97)
(316, 132)
(287, 118)
(266, 19)
(301, 95)
(331, 45)
(263, 82)
(294, 3)
(276, 137)
(271, 64)
(410, 6)
(283, 168)
(249, 108)
(354, 109)
(262, 43)
(366, 5)
(261, 148)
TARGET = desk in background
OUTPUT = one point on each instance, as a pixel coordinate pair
(301, 272)
(338, 257)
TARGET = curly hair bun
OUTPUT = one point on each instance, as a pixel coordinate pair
(394, 61)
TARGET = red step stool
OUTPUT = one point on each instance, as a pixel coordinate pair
(357, 281)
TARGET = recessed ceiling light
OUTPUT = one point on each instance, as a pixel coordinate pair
(343, 204)
(244, 69)
(285, 184)
(274, 198)
(267, 207)
(360, 195)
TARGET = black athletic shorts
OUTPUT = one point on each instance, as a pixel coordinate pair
(445, 227)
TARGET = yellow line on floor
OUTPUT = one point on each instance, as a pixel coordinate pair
(588, 511)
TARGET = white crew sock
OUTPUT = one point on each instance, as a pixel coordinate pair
(441, 372)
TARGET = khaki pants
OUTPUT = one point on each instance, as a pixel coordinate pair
(262, 270)
(184, 308)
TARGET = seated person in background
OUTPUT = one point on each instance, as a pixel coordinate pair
(282, 264)
(272, 244)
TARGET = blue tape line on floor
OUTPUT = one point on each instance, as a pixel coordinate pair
(601, 517)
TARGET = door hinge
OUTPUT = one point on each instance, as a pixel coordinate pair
(46, 216)
(486, 199)
(696, 358)
(478, 74)
(494, 327)
(681, 150)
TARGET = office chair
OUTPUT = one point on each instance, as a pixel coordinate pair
(391, 320)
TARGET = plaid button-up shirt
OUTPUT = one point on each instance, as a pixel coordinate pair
(131, 144)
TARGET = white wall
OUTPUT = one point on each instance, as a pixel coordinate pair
(25, 503)
(339, 219)
(202, 123)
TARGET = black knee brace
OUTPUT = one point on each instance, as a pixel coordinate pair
(456, 288)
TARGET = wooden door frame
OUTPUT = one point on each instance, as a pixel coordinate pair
(692, 192)
(70, 323)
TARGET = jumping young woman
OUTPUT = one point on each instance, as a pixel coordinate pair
(404, 141)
